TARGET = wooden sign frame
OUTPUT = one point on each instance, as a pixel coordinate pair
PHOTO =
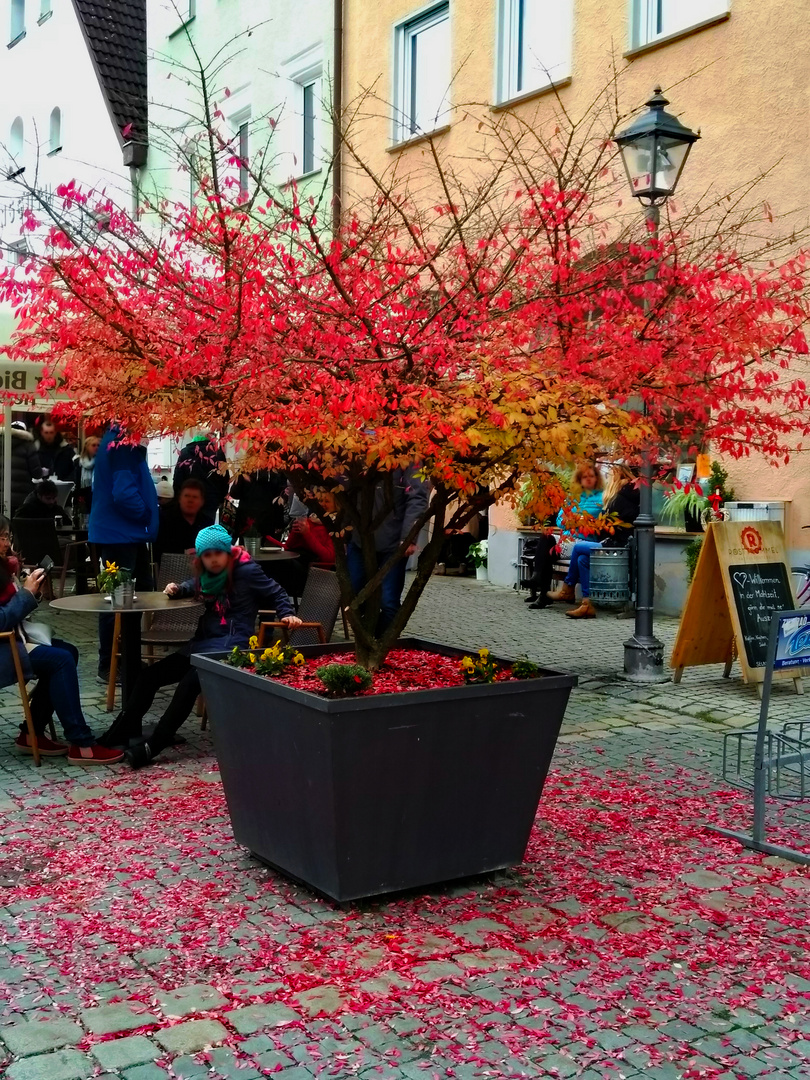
(710, 630)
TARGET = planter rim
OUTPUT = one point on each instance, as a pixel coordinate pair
(551, 678)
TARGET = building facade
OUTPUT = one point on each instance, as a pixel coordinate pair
(736, 69)
(267, 72)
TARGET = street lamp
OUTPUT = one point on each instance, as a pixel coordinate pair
(654, 150)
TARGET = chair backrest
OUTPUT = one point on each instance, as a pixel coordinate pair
(175, 568)
(320, 602)
(35, 538)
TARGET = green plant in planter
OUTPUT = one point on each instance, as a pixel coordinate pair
(523, 668)
(267, 661)
(680, 502)
(483, 669)
(718, 479)
(111, 577)
(692, 553)
(478, 553)
(343, 680)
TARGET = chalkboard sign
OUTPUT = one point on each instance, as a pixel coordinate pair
(759, 589)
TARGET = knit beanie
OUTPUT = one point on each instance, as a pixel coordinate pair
(214, 538)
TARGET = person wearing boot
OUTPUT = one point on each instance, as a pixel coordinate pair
(586, 501)
(622, 499)
(233, 588)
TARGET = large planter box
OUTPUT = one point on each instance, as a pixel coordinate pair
(372, 795)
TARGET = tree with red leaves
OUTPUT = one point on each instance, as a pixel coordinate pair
(501, 326)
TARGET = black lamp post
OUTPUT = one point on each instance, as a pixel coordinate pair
(654, 150)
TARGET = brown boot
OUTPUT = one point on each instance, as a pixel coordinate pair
(565, 593)
(586, 610)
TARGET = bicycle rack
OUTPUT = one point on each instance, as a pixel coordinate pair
(787, 761)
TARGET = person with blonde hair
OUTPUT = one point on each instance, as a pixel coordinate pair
(585, 501)
(621, 506)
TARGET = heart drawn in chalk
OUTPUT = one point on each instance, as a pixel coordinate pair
(741, 578)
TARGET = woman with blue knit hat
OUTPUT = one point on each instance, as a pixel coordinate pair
(233, 589)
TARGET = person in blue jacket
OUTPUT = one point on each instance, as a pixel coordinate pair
(233, 589)
(123, 520)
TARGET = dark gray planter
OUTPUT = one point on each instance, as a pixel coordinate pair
(373, 795)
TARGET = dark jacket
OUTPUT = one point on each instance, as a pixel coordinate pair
(219, 630)
(34, 509)
(56, 457)
(259, 494)
(410, 500)
(175, 535)
(625, 505)
(200, 461)
(25, 467)
(125, 506)
(12, 614)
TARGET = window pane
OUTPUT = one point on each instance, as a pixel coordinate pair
(17, 18)
(542, 38)
(429, 56)
(308, 163)
(244, 160)
(663, 17)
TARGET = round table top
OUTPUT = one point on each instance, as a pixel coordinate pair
(274, 555)
(144, 601)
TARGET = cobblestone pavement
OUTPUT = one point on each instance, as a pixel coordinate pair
(137, 940)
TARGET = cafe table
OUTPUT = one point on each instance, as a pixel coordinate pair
(130, 644)
(271, 555)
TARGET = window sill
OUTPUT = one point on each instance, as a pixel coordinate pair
(16, 40)
(44, 18)
(306, 175)
(658, 43)
(416, 139)
(549, 88)
(56, 150)
(183, 26)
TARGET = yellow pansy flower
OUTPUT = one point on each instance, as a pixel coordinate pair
(483, 653)
(254, 642)
(298, 659)
(252, 657)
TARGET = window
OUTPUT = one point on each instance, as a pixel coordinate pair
(243, 153)
(17, 252)
(654, 19)
(422, 88)
(44, 9)
(534, 45)
(55, 140)
(16, 147)
(308, 126)
(17, 20)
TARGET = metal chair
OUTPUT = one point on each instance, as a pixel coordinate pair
(319, 607)
(35, 538)
(10, 637)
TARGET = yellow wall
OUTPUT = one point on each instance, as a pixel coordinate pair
(744, 81)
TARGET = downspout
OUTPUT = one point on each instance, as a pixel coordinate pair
(337, 118)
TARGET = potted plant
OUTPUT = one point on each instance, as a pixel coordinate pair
(343, 781)
(687, 504)
(478, 554)
(251, 538)
(116, 582)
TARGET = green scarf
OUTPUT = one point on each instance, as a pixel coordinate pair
(214, 585)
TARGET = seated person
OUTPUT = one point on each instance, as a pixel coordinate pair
(43, 503)
(233, 588)
(622, 499)
(586, 500)
(53, 666)
(181, 520)
(310, 539)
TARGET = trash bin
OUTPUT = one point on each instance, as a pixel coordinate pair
(610, 576)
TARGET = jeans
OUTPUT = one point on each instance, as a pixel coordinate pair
(392, 585)
(174, 668)
(58, 690)
(580, 568)
(132, 557)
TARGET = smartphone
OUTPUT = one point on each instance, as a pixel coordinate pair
(46, 563)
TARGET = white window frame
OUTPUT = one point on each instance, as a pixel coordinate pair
(188, 13)
(303, 70)
(18, 250)
(16, 153)
(646, 15)
(509, 48)
(405, 32)
(238, 128)
(17, 25)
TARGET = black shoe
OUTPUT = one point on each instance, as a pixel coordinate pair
(538, 604)
(530, 599)
(139, 755)
(120, 733)
(103, 677)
